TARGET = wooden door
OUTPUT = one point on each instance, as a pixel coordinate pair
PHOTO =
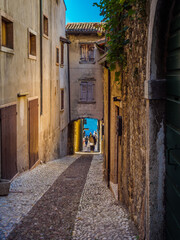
(173, 130)
(8, 135)
(33, 131)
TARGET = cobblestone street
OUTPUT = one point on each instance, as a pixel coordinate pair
(64, 199)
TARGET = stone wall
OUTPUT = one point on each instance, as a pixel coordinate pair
(133, 164)
(128, 153)
(141, 149)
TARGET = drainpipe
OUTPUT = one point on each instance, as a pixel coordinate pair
(109, 120)
(41, 58)
(69, 83)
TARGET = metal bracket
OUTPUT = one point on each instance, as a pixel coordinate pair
(115, 99)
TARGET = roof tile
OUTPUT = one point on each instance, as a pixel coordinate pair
(95, 27)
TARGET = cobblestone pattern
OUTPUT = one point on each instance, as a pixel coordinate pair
(53, 216)
(26, 190)
(100, 217)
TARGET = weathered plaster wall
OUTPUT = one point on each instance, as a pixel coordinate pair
(80, 71)
(20, 74)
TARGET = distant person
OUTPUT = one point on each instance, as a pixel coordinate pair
(86, 141)
(94, 136)
(91, 141)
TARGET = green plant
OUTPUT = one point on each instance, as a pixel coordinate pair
(115, 15)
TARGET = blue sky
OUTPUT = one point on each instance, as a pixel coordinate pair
(82, 11)
(92, 125)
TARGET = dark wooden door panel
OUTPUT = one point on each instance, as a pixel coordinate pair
(8, 142)
(173, 130)
(33, 132)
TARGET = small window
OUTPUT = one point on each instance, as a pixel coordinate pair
(57, 56)
(62, 99)
(45, 21)
(87, 92)
(7, 33)
(87, 53)
(32, 44)
(62, 53)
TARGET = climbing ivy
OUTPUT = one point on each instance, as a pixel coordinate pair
(115, 15)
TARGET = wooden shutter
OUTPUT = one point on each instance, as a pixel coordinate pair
(84, 90)
(33, 132)
(32, 44)
(8, 130)
(91, 52)
(62, 99)
(62, 53)
(90, 91)
(45, 25)
(83, 52)
(57, 56)
(4, 37)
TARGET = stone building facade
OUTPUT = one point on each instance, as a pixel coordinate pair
(86, 78)
(33, 118)
(86, 74)
(141, 163)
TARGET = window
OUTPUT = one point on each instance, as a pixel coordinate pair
(87, 91)
(57, 56)
(7, 33)
(62, 99)
(45, 22)
(62, 53)
(87, 53)
(32, 44)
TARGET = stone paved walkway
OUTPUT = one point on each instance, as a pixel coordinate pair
(49, 189)
(26, 190)
(100, 217)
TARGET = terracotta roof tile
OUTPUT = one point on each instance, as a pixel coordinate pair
(95, 27)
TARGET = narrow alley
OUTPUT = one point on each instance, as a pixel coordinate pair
(64, 199)
(90, 119)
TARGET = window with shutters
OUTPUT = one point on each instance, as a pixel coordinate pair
(32, 44)
(87, 53)
(57, 56)
(62, 54)
(6, 33)
(62, 100)
(45, 26)
(87, 89)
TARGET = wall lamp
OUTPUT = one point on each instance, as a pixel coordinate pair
(116, 99)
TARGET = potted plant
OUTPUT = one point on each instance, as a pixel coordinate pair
(4, 187)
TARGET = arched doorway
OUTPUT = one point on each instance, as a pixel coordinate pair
(80, 130)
